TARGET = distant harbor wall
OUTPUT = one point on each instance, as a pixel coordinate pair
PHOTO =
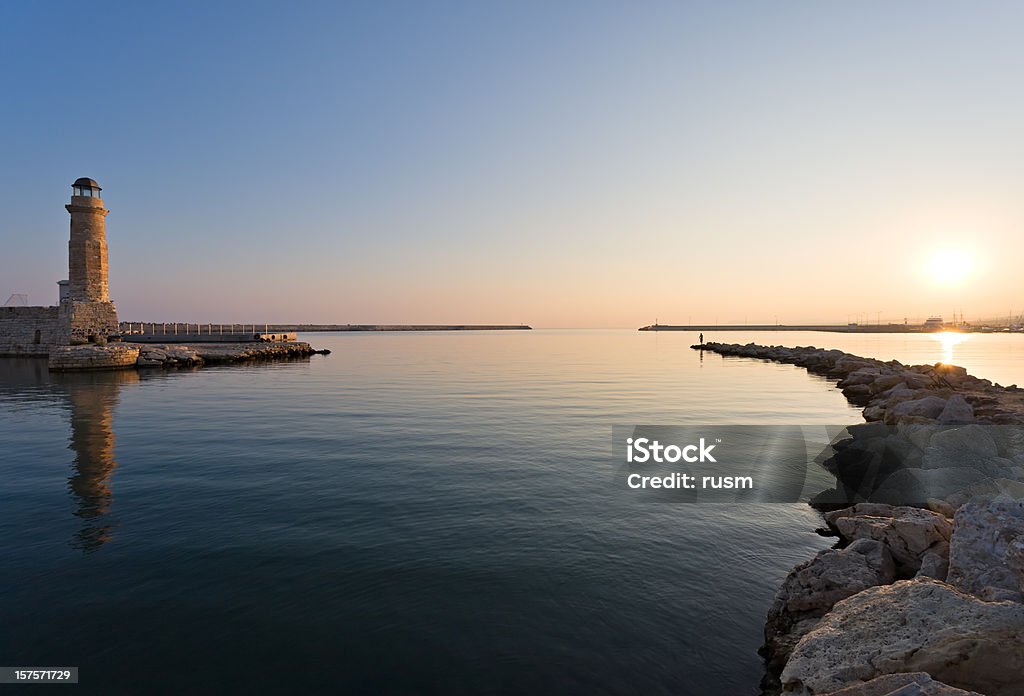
(400, 327)
(259, 337)
(395, 327)
(149, 327)
(836, 328)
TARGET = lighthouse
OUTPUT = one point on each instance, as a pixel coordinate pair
(87, 250)
(89, 315)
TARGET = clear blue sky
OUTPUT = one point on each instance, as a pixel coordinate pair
(561, 164)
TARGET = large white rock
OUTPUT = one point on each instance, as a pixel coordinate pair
(908, 532)
(919, 625)
(986, 555)
(813, 587)
(903, 684)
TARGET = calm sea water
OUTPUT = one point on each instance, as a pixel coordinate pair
(415, 513)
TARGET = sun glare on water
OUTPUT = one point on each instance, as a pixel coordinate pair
(949, 341)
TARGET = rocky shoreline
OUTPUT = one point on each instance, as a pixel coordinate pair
(172, 355)
(924, 591)
(177, 355)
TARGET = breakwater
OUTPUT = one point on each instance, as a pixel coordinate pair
(170, 355)
(399, 327)
(828, 328)
(834, 328)
(924, 591)
(163, 328)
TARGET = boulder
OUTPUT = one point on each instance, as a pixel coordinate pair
(975, 440)
(885, 382)
(901, 392)
(875, 509)
(846, 364)
(857, 393)
(811, 589)
(919, 435)
(935, 562)
(952, 374)
(916, 486)
(874, 412)
(957, 411)
(1010, 440)
(916, 381)
(968, 446)
(1011, 488)
(1015, 557)
(985, 551)
(942, 507)
(919, 625)
(903, 684)
(928, 407)
(908, 532)
(865, 376)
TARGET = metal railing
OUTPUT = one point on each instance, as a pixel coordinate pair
(136, 328)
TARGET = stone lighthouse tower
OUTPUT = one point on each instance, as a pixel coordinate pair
(88, 314)
(87, 250)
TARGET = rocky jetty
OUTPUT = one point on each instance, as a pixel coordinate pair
(112, 356)
(181, 355)
(924, 592)
(129, 355)
(895, 393)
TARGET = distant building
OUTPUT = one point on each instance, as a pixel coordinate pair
(934, 324)
(84, 313)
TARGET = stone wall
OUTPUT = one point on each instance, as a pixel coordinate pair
(31, 331)
(88, 322)
(109, 357)
(36, 331)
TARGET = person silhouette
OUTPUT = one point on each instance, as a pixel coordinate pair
(702, 339)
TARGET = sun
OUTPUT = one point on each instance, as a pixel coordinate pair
(949, 266)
